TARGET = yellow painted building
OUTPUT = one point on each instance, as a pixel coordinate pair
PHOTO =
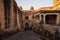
(50, 15)
(56, 6)
(56, 2)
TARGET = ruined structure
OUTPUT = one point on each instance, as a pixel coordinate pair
(50, 15)
(10, 16)
(14, 18)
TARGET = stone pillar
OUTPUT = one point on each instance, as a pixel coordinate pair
(18, 21)
(57, 20)
(40, 16)
(2, 15)
(11, 15)
(44, 19)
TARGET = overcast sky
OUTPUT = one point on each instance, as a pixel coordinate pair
(26, 4)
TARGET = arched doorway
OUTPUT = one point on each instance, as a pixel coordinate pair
(42, 20)
(26, 26)
(51, 19)
(41, 17)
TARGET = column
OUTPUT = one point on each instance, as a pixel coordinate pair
(57, 20)
(44, 19)
(40, 17)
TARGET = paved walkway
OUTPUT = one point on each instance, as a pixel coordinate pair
(25, 35)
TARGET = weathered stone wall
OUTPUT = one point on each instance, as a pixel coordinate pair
(14, 18)
(2, 20)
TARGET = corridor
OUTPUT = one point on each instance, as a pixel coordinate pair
(25, 35)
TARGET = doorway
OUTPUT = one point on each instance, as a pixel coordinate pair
(51, 19)
(26, 26)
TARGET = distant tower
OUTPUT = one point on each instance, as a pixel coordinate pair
(21, 8)
(55, 2)
(31, 8)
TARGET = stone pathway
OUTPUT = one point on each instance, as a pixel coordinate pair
(25, 35)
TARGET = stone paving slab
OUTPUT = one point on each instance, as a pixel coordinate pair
(25, 35)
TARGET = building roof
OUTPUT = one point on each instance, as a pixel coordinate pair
(46, 8)
(49, 11)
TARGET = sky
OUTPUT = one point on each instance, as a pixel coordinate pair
(26, 4)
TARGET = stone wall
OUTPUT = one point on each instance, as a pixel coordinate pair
(9, 16)
(2, 21)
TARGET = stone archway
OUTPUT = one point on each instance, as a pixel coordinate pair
(42, 18)
(51, 19)
(26, 26)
